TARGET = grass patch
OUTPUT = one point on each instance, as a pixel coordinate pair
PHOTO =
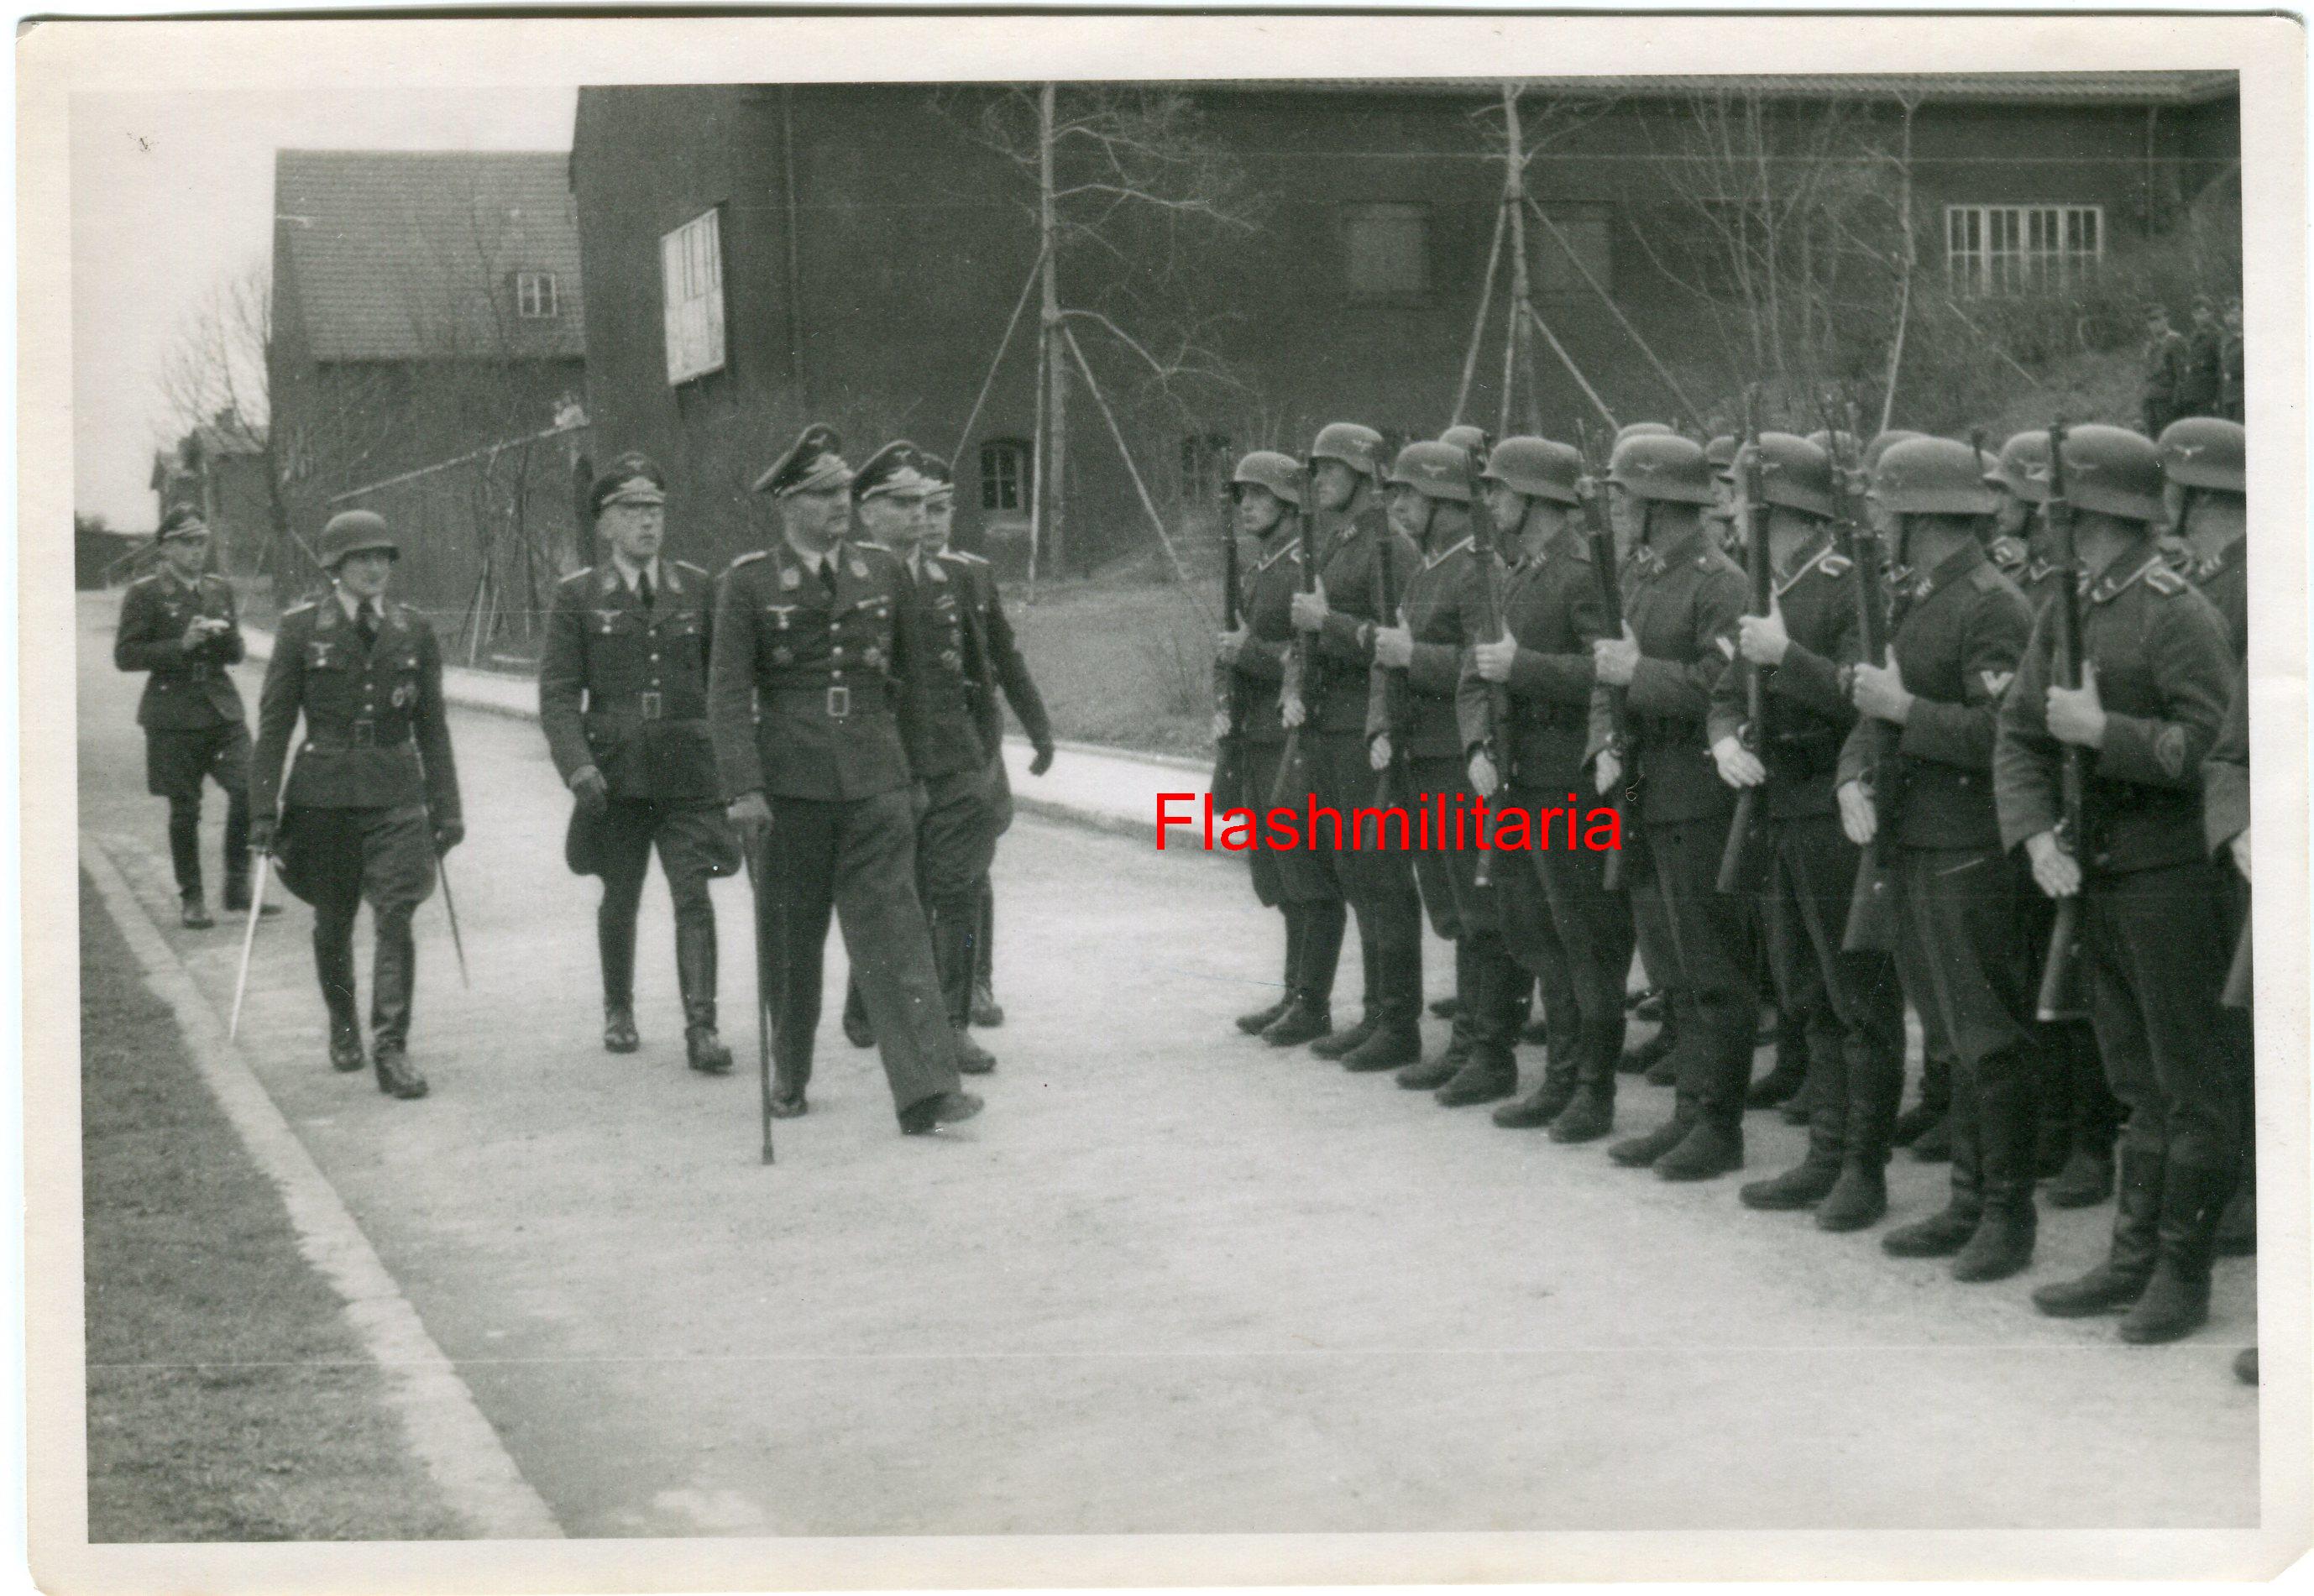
(226, 1398)
(1127, 664)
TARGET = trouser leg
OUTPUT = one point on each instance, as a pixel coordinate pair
(886, 937)
(1594, 928)
(230, 771)
(185, 843)
(624, 850)
(397, 872)
(795, 896)
(1713, 933)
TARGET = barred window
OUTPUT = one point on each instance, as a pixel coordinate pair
(533, 295)
(1004, 477)
(2018, 249)
(691, 286)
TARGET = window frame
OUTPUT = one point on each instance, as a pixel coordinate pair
(549, 300)
(997, 454)
(1573, 285)
(697, 341)
(1424, 214)
(2002, 256)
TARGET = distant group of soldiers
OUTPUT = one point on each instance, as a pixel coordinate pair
(2196, 373)
(1911, 723)
(828, 713)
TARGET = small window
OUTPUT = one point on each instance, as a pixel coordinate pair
(2021, 249)
(691, 286)
(1004, 477)
(1584, 242)
(1386, 251)
(533, 295)
(1204, 466)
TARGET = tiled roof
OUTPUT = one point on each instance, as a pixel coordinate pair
(2010, 88)
(397, 255)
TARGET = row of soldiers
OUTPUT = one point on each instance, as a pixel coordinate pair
(828, 711)
(1955, 697)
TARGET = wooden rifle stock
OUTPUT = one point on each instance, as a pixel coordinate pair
(1743, 858)
(1491, 622)
(1298, 682)
(2062, 995)
(1228, 766)
(1605, 573)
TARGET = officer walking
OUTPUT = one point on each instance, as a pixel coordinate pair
(178, 625)
(623, 699)
(812, 698)
(372, 800)
(1338, 617)
(1681, 601)
(2156, 677)
(1561, 922)
(1845, 1004)
(1430, 504)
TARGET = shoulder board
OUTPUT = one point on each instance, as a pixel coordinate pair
(1835, 565)
(146, 580)
(684, 565)
(306, 608)
(750, 558)
(2163, 580)
(2008, 552)
(577, 577)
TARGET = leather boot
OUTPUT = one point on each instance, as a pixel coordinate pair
(1936, 1097)
(1713, 1146)
(1934, 1144)
(950, 926)
(614, 939)
(333, 962)
(2006, 1128)
(1945, 1232)
(1589, 1116)
(1662, 1070)
(1859, 1197)
(1790, 1071)
(1426, 1075)
(2120, 1280)
(2176, 1301)
(396, 1076)
(185, 847)
(346, 1053)
(1546, 1102)
(2237, 1236)
(1639, 1152)
(194, 915)
(695, 975)
(1499, 998)
(1430, 1074)
(1391, 1045)
(1484, 1078)
(1262, 1018)
(619, 1035)
(1306, 1019)
(392, 982)
(1810, 1181)
(988, 1013)
(1337, 1044)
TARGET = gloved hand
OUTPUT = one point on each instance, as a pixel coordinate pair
(593, 793)
(750, 815)
(1044, 759)
(261, 836)
(448, 834)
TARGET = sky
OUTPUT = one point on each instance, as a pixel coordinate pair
(172, 195)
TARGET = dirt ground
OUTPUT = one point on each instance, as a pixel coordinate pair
(1171, 1281)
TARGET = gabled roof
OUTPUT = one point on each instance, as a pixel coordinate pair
(399, 255)
(1981, 88)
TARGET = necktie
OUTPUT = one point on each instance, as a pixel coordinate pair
(644, 587)
(827, 576)
(365, 623)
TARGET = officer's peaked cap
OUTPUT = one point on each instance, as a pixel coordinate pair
(814, 464)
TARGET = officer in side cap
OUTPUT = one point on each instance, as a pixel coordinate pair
(623, 700)
(372, 799)
(813, 694)
(178, 625)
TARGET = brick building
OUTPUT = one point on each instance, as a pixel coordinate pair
(757, 256)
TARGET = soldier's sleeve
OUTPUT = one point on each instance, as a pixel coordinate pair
(1012, 670)
(1854, 755)
(1683, 691)
(1436, 667)
(133, 646)
(279, 702)
(561, 683)
(731, 686)
(1812, 680)
(1377, 702)
(1997, 627)
(1731, 706)
(912, 658)
(432, 721)
(1262, 659)
(2194, 669)
(230, 647)
(2024, 756)
(1565, 678)
(1344, 636)
(1473, 712)
(2225, 774)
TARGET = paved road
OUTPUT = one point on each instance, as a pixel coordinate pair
(1170, 1281)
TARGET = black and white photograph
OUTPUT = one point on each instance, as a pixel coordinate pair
(968, 800)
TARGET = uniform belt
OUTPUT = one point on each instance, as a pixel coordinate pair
(837, 700)
(359, 734)
(649, 705)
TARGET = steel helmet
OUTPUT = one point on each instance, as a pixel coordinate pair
(1435, 470)
(1469, 440)
(2023, 467)
(1266, 468)
(1538, 468)
(1358, 447)
(1793, 473)
(2114, 472)
(1884, 442)
(1662, 466)
(1641, 429)
(1931, 476)
(1843, 443)
(355, 532)
(1720, 453)
(2206, 452)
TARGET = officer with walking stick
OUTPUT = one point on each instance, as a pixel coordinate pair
(372, 801)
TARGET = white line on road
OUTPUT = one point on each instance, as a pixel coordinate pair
(447, 1431)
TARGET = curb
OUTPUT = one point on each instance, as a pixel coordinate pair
(448, 1434)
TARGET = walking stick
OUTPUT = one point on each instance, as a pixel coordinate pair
(248, 943)
(754, 846)
(442, 868)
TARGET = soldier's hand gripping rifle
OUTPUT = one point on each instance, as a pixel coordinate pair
(1229, 762)
(1871, 907)
(1483, 550)
(1301, 662)
(2062, 996)
(1609, 577)
(1741, 858)
(1394, 789)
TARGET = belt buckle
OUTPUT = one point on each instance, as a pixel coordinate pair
(364, 733)
(654, 706)
(839, 701)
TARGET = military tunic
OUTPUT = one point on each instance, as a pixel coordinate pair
(623, 691)
(815, 702)
(1250, 690)
(195, 728)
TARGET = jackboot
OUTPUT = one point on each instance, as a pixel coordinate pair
(2120, 1279)
(396, 1076)
(1789, 1071)
(1811, 1180)
(1484, 1078)
(1334, 1045)
(1712, 1147)
(1641, 1059)
(614, 939)
(1501, 989)
(1261, 1020)
(619, 1029)
(1545, 1103)
(694, 978)
(1430, 1074)
(2176, 1301)
(333, 961)
(1306, 1019)
(1390, 1045)
(988, 1013)
(1859, 1197)
(1312, 979)
(185, 846)
(1936, 1098)
(1947, 1232)
(2006, 1130)
(1589, 1116)
(194, 915)
(1639, 1152)
(392, 982)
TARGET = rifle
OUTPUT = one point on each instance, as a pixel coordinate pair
(1395, 787)
(1742, 860)
(1228, 766)
(1603, 571)
(2060, 975)
(1871, 908)
(1297, 683)
(1490, 624)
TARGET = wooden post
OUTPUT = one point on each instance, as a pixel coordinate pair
(1519, 357)
(1055, 370)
